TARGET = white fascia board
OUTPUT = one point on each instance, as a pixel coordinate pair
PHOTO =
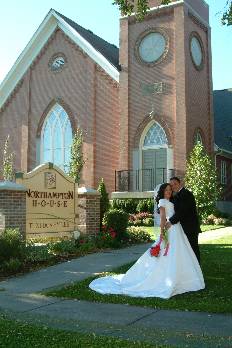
(87, 48)
(27, 56)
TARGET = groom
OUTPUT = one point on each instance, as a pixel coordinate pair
(185, 213)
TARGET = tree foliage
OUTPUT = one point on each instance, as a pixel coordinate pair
(8, 171)
(201, 179)
(140, 8)
(227, 15)
(77, 160)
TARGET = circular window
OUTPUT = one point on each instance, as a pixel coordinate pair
(151, 47)
(57, 62)
(196, 50)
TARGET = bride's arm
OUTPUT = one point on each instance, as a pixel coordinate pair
(162, 219)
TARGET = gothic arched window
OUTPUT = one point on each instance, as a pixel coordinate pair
(155, 136)
(198, 138)
(56, 138)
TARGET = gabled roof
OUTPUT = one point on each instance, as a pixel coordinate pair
(222, 101)
(109, 51)
(103, 53)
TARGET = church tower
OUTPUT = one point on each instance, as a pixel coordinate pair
(165, 89)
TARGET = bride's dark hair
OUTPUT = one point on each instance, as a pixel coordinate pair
(160, 194)
(161, 191)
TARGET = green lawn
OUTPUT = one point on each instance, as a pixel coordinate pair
(216, 266)
(154, 231)
(16, 334)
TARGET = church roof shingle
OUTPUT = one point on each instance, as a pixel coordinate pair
(109, 51)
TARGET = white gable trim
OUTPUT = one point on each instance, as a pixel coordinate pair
(88, 48)
(37, 42)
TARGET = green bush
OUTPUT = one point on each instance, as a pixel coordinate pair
(134, 205)
(38, 253)
(11, 266)
(118, 221)
(146, 205)
(64, 247)
(127, 205)
(104, 199)
(137, 235)
(148, 222)
(12, 245)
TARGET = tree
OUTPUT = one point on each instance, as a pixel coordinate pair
(8, 171)
(201, 179)
(77, 160)
(227, 15)
(140, 8)
(104, 199)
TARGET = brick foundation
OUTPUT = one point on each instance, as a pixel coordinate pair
(12, 207)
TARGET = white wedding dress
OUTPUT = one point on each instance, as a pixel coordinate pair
(162, 276)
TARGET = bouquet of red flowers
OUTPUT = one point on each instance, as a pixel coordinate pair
(155, 250)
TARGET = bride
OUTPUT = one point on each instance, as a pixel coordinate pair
(174, 270)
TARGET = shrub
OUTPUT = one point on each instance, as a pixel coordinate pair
(137, 235)
(104, 199)
(134, 205)
(12, 245)
(64, 247)
(11, 266)
(148, 222)
(201, 179)
(107, 237)
(118, 221)
(146, 205)
(38, 253)
(141, 219)
(215, 220)
(127, 205)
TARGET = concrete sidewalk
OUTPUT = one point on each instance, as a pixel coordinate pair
(19, 298)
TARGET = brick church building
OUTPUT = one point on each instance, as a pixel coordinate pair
(141, 107)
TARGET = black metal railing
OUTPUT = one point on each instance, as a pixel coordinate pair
(141, 179)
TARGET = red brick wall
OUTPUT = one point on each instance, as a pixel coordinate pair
(198, 89)
(75, 88)
(187, 102)
(13, 210)
(107, 131)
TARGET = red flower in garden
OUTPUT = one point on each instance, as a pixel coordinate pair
(113, 234)
(81, 241)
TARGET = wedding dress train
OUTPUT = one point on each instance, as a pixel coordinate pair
(163, 276)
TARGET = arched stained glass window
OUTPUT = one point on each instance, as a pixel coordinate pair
(56, 138)
(155, 136)
(198, 138)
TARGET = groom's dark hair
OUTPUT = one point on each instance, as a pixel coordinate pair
(175, 178)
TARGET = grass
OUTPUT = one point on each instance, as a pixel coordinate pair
(153, 231)
(216, 266)
(22, 335)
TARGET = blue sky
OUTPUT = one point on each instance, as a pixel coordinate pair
(19, 19)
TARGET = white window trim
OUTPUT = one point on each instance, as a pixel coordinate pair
(223, 172)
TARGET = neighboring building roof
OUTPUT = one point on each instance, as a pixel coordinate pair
(109, 51)
(103, 53)
(222, 101)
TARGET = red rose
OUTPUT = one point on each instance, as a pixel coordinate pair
(81, 241)
(154, 251)
(113, 234)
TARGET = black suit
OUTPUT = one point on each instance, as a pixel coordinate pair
(186, 214)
